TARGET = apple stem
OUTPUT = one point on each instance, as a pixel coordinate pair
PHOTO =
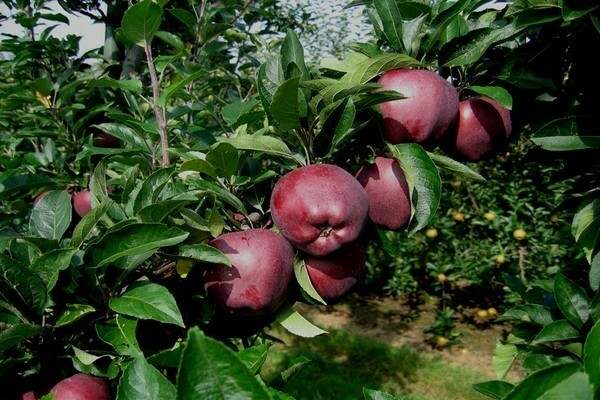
(159, 114)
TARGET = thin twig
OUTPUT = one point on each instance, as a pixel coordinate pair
(160, 116)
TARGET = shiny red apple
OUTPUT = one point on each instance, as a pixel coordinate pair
(82, 202)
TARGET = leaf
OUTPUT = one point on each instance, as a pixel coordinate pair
(21, 287)
(119, 332)
(297, 324)
(233, 113)
(171, 39)
(15, 334)
(563, 381)
(388, 12)
(337, 122)
(586, 226)
(203, 253)
(534, 313)
(85, 227)
(374, 66)
(203, 187)
(494, 389)
(264, 144)
(438, 25)
(20, 183)
(504, 357)
(51, 216)
(469, 48)
(177, 85)
(371, 394)
(270, 77)
(48, 265)
(224, 157)
(423, 180)
(459, 169)
(304, 281)
(123, 133)
(72, 313)
(141, 381)
(557, 331)
(146, 300)
(570, 133)
(135, 239)
(254, 357)
(157, 212)
(141, 22)
(222, 375)
(285, 107)
(595, 272)
(496, 93)
(133, 84)
(292, 54)
(572, 300)
(151, 188)
(208, 31)
(591, 355)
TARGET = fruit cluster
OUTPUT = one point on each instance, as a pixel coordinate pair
(321, 210)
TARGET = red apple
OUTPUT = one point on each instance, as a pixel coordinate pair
(103, 139)
(428, 112)
(335, 274)
(82, 202)
(262, 266)
(483, 129)
(319, 208)
(40, 196)
(81, 387)
(28, 396)
(387, 190)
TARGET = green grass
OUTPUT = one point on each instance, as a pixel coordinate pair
(342, 364)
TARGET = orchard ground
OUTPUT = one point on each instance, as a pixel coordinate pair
(413, 368)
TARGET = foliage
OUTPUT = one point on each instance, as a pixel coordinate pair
(204, 130)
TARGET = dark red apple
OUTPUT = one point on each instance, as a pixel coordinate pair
(262, 267)
(319, 208)
(335, 274)
(429, 111)
(387, 189)
(81, 387)
(28, 396)
(483, 130)
(40, 196)
(103, 139)
(82, 202)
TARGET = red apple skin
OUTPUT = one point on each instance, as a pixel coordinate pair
(262, 267)
(81, 387)
(319, 208)
(483, 129)
(28, 396)
(335, 274)
(387, 190)
(429, 110)
(103, 139)
(40, 196)
(82, 202)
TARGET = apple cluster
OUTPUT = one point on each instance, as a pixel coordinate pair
(321, 210)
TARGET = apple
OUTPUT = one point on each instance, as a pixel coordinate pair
(319, 208)
(429, 111)
(81, 387)
(82, 202)
(28, 396)
(39, 197)
(334, 274)
(262, 267)
(387, 190)
(103, 139)
(483, 129)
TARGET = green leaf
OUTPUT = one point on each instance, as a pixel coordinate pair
(469, 48)
(203, 187)
(270, 77)
(224, 157)
(210, 31)
(370, 68)
(457, 168)
(534, 313)
(494, 389)
(564, 381)
(201, 252)
(178, 85)
(496, 93)
(85, 227)
(233, 113)
(297, 324)
(591, 355)
(202, 166)
(15, 334)
(285, 106)
(146, 300)
(595, 307)
(123, 133)
(141, 22)
(133, 84)
(221, 376)
(371, 394)
(423, 180)
(141, 381)
(119, 332)
(157, 212)
(595, 272)
(51, 216)
(264, 144)
(504, 357)
(586, 226)
(304, 281)
(438, 25)
(21, 287)
(135, 239)
(72, 313)
(572, 300)
(292, 57)
(151, 188)
(557, 331)
(388, 12)
(337, 122)
(49, 265)
(570, 133)
(254, 357)
(171, 39)
(20, 183)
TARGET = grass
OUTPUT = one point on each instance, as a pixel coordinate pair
(343, 363)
